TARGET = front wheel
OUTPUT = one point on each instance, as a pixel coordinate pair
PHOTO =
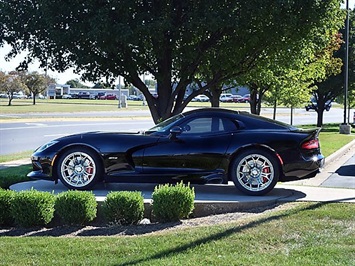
(255, 172)
(79, 168)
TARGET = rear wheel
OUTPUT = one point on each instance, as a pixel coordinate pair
(79, 168)
(255, 172)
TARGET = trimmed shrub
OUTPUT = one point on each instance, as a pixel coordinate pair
(6, 197)
(172, 203)
(13, 175)
(76, 207)
(124, 207)
(32, 208)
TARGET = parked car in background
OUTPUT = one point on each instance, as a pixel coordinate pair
(74, 96)
(39, 96)
(67, 96)
(84, 95)
(108, 96)
(200, 98)
(236, 98)
(226, 98)
(313, 105)
(133, 98)
(98, 95)
(202, 146)
(19, 95)
(245, 98)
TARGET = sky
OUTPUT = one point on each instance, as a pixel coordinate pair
(61, 78)
(11, 65)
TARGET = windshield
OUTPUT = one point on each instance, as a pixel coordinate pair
(163, 126)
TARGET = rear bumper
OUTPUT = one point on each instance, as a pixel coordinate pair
(307, 167)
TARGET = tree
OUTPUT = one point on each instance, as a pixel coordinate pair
(176, 42)
(295, 88)
(289, 73)
(298, 81)
(75, 83)
(12, 84)
(36, 83)
(332, 87)
(101, 85)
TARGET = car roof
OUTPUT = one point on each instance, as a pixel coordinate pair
(250, 120)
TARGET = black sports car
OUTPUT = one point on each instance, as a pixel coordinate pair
(209, 145)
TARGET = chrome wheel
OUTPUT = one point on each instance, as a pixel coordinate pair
(78, 170)
(255, 172)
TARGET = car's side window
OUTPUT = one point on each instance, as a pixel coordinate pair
(206, 125)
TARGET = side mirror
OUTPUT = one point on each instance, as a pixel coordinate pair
(174, 132)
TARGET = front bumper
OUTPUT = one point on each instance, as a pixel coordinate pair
(39, 175)
(42, 165)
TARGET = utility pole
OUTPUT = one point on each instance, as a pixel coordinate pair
(119, 93)
(345, 128)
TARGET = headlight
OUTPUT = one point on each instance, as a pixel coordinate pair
(46, 146)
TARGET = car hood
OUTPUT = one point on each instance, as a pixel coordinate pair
(100, 134)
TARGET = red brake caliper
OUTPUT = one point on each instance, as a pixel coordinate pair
(266, 170)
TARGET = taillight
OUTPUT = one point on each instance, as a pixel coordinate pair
(311, 144)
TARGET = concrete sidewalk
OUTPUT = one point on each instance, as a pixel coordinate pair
(329, 185)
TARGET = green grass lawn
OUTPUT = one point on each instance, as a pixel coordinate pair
(15, 156)
(330, 139)
(303, 234)
(20, 106)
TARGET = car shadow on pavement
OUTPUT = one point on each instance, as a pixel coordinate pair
(346, 170)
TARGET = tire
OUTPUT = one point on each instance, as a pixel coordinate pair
(255, 172)
(79, 168)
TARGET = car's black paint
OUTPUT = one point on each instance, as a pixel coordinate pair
(184, 150)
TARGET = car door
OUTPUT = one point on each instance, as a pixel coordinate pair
(199, 148)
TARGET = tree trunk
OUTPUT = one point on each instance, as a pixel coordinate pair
(291, 116)
(254, 105)
(275, 107)
(34, 98)
(258, 103)
(215, 100)
(214, 93)
(320, 112)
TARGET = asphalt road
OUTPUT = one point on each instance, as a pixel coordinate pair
(24, 136)
(344, 176)
(17, 137)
